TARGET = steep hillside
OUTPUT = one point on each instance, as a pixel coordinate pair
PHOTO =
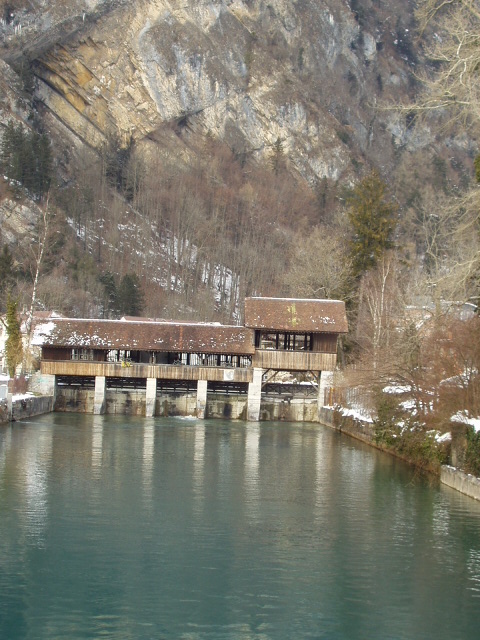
(175, 85)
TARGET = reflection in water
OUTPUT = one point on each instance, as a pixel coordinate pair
(199, 466)
(223, 464)
(322, 468)
(37, 457)
(251, 479)
(148, 455)
(258, 531)
(97, 445)
(5, 443)
(473, 564)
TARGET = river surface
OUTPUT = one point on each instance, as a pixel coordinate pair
(121, 528)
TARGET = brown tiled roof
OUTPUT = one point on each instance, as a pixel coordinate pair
(291, 314)
(145, 336)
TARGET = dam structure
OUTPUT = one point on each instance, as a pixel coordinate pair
(270, 368)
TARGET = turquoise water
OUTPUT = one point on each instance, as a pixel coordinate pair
(112, 527)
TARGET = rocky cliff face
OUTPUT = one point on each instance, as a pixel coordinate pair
(305, 73)
(170, 89)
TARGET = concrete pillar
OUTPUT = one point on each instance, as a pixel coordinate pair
(254, 396)
(150, 397)
(100, 399)
(201, 398)
(324, 381)
(54, 391)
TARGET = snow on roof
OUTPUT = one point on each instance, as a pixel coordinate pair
(41, 332)
(327, 300)
(296, 314)
(144, 335)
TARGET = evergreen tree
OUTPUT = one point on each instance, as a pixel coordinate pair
(278, 157)
(13, 346)
(476, 164)
(372, 217)
(130, 295)
(6, 274)
(42, 163)
(26, 160)
(110, 298)
(116, 157)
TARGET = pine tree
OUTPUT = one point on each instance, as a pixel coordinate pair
(110, 299)
(278, 157)
(372, 217)
(41, 165)
(13, 346)
(26, 160)
(130, 295)
(6, 274)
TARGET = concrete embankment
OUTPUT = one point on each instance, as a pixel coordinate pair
(362, 430)
(359, 429)
(31, 406)
(3, 411)
(463, 482)
(25, 407)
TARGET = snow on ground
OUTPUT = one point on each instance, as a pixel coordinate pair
(461, 416)
(408, 405)
(356, 414)
(440, 437)
(22, 396)
(397, 389)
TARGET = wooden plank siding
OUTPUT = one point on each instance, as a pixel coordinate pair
(324, 343)
(294, 360)
(164, 372)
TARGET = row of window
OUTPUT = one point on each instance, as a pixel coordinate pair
(127, 357)
(283, 341)
(270, 340)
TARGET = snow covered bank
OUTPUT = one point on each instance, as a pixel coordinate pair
(462, 417)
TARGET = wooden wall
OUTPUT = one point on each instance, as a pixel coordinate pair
(294, 360)
(165, 372)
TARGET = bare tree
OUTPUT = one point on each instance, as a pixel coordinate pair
(38, 250)
(450, 241)
(381, 308)
(455, 50)
(320, 266)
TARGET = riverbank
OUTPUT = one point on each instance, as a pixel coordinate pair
(362, 429)
(24, 406)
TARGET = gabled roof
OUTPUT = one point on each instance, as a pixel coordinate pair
(145, 336)
(295, 314)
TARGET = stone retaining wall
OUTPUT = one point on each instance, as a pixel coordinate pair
(31, 406)
(465, 483)
(451, 476)
(359, 429)
(3, 411)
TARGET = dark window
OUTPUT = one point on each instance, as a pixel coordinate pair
(284, 341)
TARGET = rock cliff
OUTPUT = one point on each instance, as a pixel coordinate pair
(169, 86)
(304, 72)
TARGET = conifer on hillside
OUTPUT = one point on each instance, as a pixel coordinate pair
(13, 346)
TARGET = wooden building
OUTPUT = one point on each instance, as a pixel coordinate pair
(156, 358)
(294, 334)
